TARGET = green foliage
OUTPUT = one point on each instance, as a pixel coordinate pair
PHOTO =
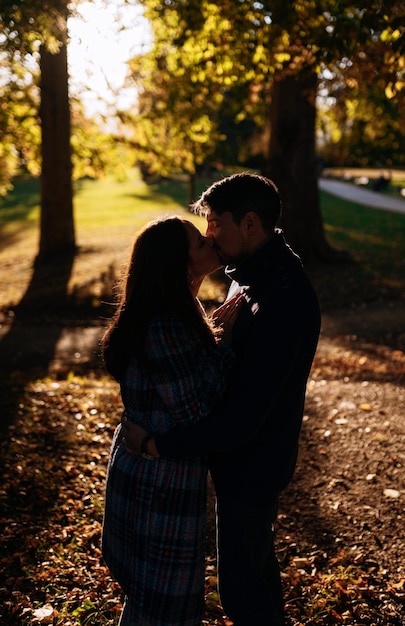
(205, 85)
(175, 129)
(19, 128)
(190, 89)
(364, 129)
(222, 57)
(96, 152)
(24, 27)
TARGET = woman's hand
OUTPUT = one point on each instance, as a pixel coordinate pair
(133, 435)
(225, 316)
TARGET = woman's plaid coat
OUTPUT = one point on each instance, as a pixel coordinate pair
(153, 536)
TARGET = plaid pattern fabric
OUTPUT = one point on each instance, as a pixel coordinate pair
(155, 510)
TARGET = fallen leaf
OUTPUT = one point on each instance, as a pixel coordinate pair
(391, 493)
(43, 615)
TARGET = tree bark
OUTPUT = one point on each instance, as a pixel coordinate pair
(293, 166)
(57, 232)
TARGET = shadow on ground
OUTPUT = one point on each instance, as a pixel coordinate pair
(38, 341)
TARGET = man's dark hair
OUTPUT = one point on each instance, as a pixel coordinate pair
(241, 193)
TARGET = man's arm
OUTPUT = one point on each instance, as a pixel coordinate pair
(261, 370)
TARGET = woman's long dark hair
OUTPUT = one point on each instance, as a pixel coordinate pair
(155, 282)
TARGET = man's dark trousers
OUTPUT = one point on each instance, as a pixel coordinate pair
(248, 570)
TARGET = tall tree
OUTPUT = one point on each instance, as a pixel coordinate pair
(23, 26)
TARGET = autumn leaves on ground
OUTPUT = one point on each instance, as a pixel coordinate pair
(331, 538)
(340, 531)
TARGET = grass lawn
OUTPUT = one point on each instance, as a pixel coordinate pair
(109, 213)
(375, 240)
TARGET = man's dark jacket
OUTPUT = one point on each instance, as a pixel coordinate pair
(252, 436)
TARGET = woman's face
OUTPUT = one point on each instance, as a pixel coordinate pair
(203, 257)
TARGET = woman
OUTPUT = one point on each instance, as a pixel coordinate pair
(172, 368)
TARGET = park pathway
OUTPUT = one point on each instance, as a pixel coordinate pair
(357, 194)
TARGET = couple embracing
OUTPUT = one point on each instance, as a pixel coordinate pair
(223, 394)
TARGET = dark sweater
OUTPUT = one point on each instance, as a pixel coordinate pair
(252, 435)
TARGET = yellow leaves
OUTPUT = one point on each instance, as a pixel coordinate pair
(228, 81)
(52, 45)
(282, 57)
(215, 22)
(336, 135)
(200, 130)
(389, 35)
(227, 66)
(392, 89)
(259, 55)
(198, 77)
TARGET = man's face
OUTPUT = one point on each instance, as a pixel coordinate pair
(229, 237)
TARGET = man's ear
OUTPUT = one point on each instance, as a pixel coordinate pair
(250, 221)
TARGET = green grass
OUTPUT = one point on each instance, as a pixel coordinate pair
(109, 213)
(375, 241)
(22, 202)
(99, 204)
(365, 232)
(105, 203)
(105, 210)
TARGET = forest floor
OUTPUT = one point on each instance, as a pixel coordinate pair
(340, 529)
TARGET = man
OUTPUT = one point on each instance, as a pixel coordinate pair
(252, 436)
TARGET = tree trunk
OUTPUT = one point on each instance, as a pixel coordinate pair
(292, 164)
(57, 233)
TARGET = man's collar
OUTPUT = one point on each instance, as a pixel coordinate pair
(262, 257)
